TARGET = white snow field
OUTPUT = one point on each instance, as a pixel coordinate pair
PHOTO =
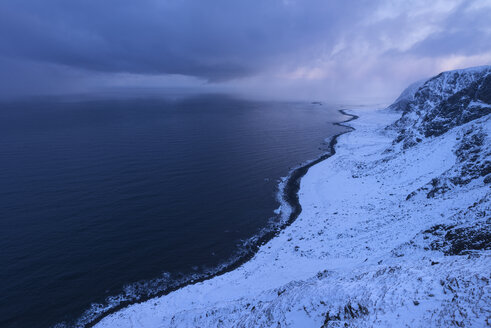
(362, 253)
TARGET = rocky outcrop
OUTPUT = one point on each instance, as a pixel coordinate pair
(447, 100)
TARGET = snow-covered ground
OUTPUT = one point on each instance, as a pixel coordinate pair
(371, 248)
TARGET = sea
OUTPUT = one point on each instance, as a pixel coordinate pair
(107, 200)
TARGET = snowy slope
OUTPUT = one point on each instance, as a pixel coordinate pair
(378, 242)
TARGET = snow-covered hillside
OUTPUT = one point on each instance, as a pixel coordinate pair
(394, 230)
(447, 100)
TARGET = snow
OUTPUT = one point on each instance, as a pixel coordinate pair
(451, 82)
(356, 254)
(479, 104)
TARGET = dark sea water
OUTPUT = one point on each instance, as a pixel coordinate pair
(109, 197)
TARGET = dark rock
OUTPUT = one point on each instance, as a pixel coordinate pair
(453, 240)
(436, 107)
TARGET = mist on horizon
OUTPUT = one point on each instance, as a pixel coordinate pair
(337, 51)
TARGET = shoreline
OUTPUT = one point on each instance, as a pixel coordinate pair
(360, 253)
(290, 195)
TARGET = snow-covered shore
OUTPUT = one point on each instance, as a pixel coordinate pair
(369, 248)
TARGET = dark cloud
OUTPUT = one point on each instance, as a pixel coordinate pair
(290, 45)
(215, 40)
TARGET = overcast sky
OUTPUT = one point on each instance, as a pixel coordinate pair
(307, 49)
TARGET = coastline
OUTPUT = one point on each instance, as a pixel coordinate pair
(360, 252)
(290, 194)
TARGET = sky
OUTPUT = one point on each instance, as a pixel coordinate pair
(338, 51)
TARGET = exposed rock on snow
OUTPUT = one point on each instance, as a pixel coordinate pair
(385, 238)
(447, 100)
